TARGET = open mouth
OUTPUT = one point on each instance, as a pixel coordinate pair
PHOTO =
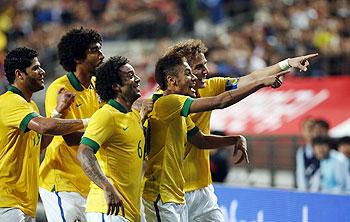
(138, 88)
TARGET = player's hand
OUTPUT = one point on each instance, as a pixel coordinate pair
(279, 79)
(64, 99)
(301, 62)
(114, 201)
(275, 80)
(241, 145)
(146, 107)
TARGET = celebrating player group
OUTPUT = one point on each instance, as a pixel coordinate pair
(107, 150)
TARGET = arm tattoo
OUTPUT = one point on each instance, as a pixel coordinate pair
(91, 167)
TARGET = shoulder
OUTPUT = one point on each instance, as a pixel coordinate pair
(58, 83)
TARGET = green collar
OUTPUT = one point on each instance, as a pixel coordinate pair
(156, 96)
(117, 105)
(15, 90)
(74, 81)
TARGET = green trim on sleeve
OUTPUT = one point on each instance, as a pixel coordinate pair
(24, 124)
(185, 111)
(90, 143)
(192, 132)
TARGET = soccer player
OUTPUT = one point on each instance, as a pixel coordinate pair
(200, 198)
(63, 184)
(115, 136)
(171, 127)
(21, 129)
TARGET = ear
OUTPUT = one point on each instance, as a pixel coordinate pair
(19, 74)
(78, 61)
(171, 80)
(116, 88)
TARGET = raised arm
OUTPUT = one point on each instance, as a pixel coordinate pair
(231, 97)
(54, 126)
(92, 169)
(300, 62)
(203, 141)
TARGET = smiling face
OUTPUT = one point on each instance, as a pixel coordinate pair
(185, 80)
(130, 89)
(34, 76)
(200, 69)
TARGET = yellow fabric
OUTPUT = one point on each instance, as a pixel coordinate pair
(197, 163)
(19, 154)
(168, 136)
(121, 141)
(60, 170)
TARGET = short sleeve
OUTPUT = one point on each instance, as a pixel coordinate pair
(20, 113)
(99, 130)
(192, 129)
(171, 106)
(218, 85)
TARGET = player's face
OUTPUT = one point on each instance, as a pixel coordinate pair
(200, 69)
(321, 151)
(94, 57)
(185, 81)
(345, 149)
(130, 89)
(34, 76)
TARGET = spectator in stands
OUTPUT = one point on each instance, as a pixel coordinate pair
(344, 148)
(306, 163)
(333, 173)
(321, 127)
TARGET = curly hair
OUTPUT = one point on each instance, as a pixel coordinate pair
(18, 58)
(167, 65)
(188, 49)
(74, 44)
(107, 74)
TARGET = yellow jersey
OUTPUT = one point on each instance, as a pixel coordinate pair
(19, 153)
(116, 136)
(60, 170)
(197, 163)
(169, 127)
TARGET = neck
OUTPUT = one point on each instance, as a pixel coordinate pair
(127, 104)
(83, 76)
(169, 91)
(25, 91)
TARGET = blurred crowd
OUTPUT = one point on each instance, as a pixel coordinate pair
(242, 35)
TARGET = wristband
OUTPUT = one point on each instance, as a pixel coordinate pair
(55, 114)
(85, 122)
(284, 64)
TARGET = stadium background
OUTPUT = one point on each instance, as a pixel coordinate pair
(242, 36)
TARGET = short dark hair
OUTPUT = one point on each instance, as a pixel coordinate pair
(74, 44)
(188, 49)
(167, 65)
(322, 140)
(18, 58)
(344, 140)
(322, 123)
(108, 74)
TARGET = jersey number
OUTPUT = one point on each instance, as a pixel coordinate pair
(139, 149)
